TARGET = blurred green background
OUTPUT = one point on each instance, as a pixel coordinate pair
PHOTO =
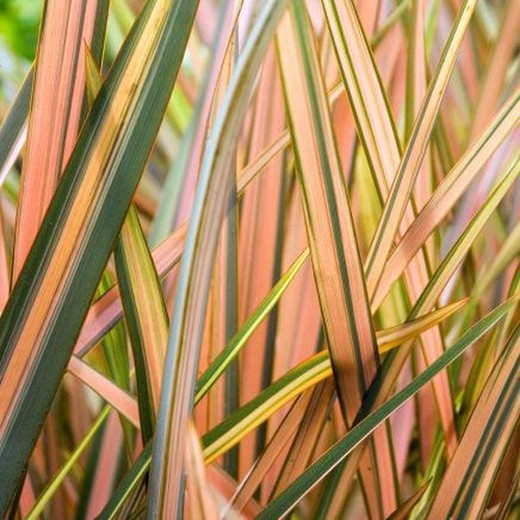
(19, 20)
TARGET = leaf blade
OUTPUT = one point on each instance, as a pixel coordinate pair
(30, 321)
(281, 504)
(185, 337)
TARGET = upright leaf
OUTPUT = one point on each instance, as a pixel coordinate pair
(13, 132)
(412, 157)
(56, 108)
(146, 316)
(166, 485)
(374, 121)
(42, 319)
(395, 360)
(448, 192)
(201, 503)
(282, 504)
(332, 239)
(469, 478)
(377, 131)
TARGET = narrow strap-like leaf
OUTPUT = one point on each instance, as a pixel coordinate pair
(227, 434)
(166, 483)
(469, 478)
(146, 317)
(42, 319)
(54, 119)
(51, 488)
(337, 267)
(230, 352)
(282, 504)
(105, 388)
(14, 126)
(374, 120)
(395, 360)
(377, 131)
(412, 157)
(447, 193)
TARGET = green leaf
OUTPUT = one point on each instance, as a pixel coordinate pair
(416, 148)
(448, 192)
(50, 489)
(146, 317)
(232, 349)
(178, 388)
(333, 244)
(14, 126)
(470, 476)
(54, 120)
(306, 375)
(133, 478)
(283, 503)
(44, 314)
(395, 360)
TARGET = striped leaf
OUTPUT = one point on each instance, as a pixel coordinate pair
(377, 131)
(49, 302)
(327, 462)
(54, 120)
(229, 433)
(395, 360)
(166, 489)
(13, 132)
(232, 349)
(413, 155)
(448, 192)
(471, 473)
(146, 317)
(331, 235)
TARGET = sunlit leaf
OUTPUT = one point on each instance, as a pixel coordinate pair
(283, 503)
(42, 319)
(185, 337)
